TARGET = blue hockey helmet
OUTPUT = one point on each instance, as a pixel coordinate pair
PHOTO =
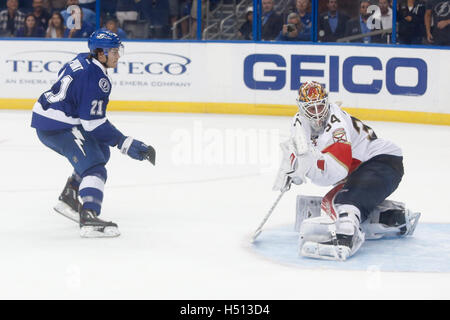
(104, 39)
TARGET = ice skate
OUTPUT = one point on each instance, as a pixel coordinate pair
(68, 205)
(93, 227)
(391, 219)
(404, 220)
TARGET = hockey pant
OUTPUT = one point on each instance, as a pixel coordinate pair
(87, 156)
(370, 184)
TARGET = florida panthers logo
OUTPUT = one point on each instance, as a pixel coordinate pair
(339, 135)
(313, 93)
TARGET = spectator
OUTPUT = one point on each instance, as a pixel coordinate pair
(126, 10)
(25, 6)
(31, 28)
(359, 25)
(108, 8)
(112, 24)
(440, 11)
(90, 4)
(11, 19)
(57, 4)
(246, 30)
(302, 8)
(271, 23)
(184, 10)
(84, 31)
(332, 23)
(56, 26)
(386, 14)
(40, 13)
(158, 13)
(88, 15)
(410, 17)
(194, 17)
(293, 30)
(173, 10)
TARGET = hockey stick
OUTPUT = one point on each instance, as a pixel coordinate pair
(299, 146)
(259, 230)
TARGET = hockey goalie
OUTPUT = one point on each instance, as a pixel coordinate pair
(329, 147)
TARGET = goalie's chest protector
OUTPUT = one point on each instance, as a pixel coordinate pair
(349, 141)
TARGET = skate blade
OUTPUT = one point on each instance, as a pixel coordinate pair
(324, 251)
(99, 232)
(66, 211)
(413, 218)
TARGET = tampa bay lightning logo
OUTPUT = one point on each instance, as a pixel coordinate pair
(442, 9)
(104, 85)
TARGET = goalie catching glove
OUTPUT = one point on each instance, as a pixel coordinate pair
(137, 149)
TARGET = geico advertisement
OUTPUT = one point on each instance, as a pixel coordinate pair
(361, 77)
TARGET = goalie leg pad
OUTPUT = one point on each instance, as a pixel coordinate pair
(306, 207)
(388, 219)
(322, 238)
(391, 219)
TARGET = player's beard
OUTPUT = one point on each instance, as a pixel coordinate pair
(109, 63)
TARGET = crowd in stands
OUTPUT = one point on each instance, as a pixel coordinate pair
(56, 18)
(418, 21)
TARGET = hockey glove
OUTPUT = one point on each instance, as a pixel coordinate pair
(304, 163)
(288, 165)
(137, 149)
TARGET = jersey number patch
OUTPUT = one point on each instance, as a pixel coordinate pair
(61, 94)
(333, 119)
(97, 108)
(358, 125)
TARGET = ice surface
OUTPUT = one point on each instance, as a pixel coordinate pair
(428, 250)
(186, 223)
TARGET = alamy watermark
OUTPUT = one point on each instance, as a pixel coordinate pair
(236, 146)
(374, 20)
(74, 18)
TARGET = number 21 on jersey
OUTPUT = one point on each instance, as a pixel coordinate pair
(97, 108)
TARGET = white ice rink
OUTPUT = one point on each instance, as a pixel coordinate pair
(186, 223)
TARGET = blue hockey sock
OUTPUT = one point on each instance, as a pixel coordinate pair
(91, 188)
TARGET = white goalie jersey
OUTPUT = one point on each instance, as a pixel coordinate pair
(345, 143)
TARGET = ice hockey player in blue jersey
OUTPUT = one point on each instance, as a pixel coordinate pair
(70, 119)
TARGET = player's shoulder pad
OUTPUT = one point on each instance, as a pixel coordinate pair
(95, 76)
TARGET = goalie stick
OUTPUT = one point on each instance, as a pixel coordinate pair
(301, 147)
(259, 230)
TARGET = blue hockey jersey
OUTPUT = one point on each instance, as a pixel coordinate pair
(79, 97)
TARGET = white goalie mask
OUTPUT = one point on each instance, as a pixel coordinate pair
(313, 104)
